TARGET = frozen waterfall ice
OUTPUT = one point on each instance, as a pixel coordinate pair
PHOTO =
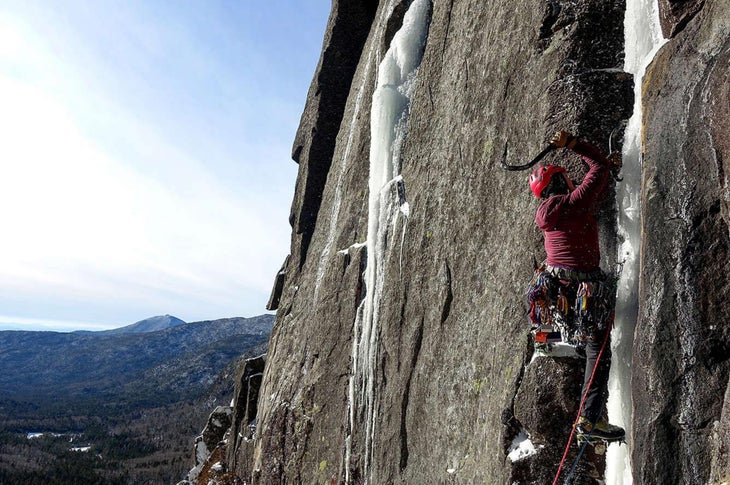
(642, 40)
(386, 205)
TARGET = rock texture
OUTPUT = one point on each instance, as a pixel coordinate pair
(675, 14)
(682, 349)
(437, 384)
(245, 399)
(316, 137)
(450, 339)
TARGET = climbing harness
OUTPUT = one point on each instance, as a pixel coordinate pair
(552, 316)
(580, 410)
(573, 275)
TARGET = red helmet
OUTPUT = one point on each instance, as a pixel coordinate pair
(541, 177)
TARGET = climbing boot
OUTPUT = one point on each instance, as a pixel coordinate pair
(587, 431)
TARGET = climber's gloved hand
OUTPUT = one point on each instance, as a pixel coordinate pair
(616, 162)
(563, 139)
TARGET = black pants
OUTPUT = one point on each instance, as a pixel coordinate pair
(585, 322)
(595, 401)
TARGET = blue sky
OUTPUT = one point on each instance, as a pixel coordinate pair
(145, 156)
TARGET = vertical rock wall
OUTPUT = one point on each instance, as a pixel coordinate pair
(451, 387)
(682, 349)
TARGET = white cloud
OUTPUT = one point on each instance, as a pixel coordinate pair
(65, 203)
(129, 215)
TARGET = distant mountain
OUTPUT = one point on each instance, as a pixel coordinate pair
(152, 324)
(136, 399)
(67, 372)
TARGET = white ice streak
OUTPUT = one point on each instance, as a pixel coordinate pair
(642, 39)
(357, 335)
(389, 113)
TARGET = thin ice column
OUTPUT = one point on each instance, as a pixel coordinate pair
(643, 38)
(397, 73)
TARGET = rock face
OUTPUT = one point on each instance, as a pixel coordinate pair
(681, 354)
(401, 352)
(675, 14)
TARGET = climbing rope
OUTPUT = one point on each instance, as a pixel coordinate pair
(577, 459)
(580, 410)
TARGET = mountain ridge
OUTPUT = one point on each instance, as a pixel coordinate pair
(83, 367)
(151, 324)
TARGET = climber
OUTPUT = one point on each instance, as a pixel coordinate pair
(577, 295)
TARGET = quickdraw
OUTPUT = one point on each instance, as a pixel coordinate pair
(562, 304)
(538, 297)
(582, 297)
(594, 302)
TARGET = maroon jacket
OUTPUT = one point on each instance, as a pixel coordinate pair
(568, 221)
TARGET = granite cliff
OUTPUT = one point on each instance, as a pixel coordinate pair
(401, 352)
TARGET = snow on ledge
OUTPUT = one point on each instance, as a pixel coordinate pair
(522, 447)
(559, 350)
(354, 246)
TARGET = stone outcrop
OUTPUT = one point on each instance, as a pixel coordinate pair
(682, 350)
(316, 137)
(245, 401)
(675, 14)
(223, 452)
(433, 381)
(219, 423)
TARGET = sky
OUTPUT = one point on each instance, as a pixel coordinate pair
(145, 156)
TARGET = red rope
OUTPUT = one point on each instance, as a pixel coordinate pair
(583, 400)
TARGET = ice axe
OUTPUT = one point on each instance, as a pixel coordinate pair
(513, 168)
(615, 156)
